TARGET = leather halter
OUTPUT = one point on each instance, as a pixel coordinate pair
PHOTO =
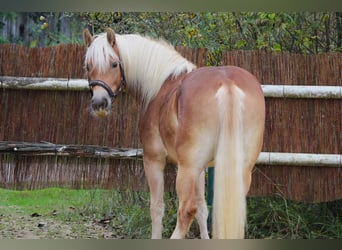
(104, 85)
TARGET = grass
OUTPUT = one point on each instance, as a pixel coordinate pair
(43, 200)
(282, 219)
(128, 213)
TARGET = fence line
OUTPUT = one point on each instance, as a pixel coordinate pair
(278, 90)
(303, 120)
(66, 61)
(265, 158)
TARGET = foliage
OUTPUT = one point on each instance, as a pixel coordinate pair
(302, 32)
(37, 29)
(51, 28)
(5, 17)
(293, 32)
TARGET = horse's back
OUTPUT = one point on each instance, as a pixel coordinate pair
(197, 94)
(213, 77)
(197, 110)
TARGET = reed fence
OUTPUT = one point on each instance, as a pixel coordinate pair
(293, 125)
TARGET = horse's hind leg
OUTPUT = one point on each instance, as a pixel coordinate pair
(186, 184)
(202, 212)
(154, 170)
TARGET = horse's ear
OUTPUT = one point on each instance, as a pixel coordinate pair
(111, 36)
(87, 37)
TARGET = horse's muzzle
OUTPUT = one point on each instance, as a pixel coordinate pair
(101, 104)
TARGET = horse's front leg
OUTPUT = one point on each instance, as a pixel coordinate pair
(154, 170)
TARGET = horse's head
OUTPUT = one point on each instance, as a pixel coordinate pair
(105, 72)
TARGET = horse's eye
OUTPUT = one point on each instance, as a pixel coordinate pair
(115, 64)
(87, 67)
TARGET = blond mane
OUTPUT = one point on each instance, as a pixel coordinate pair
(147, 62)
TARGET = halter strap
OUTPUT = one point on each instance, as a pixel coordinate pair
(104, 85)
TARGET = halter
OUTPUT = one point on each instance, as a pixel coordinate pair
(104, 85)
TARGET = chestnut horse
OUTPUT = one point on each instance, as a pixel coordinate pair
(190, 117)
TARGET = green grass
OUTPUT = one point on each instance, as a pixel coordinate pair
(282, 219)
(43, 200)
(130, 218)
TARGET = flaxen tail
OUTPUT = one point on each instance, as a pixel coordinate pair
(229, 206)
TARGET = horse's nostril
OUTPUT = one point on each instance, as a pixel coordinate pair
(105, 103)
(99, 103)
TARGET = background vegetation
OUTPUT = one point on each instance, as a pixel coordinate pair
(295, 32)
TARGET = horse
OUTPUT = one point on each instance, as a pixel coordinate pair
(192, 117)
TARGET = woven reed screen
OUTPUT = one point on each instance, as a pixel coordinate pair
(292, 125)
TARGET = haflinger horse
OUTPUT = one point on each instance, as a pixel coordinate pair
(193, 117)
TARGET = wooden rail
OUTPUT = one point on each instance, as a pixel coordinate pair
(278, 91)
(47, 148)
(265, 158)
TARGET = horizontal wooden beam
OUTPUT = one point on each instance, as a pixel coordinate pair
(302, 91)
(265, 158)
(276, 91)
(300, 159)
(47, 148)
(43, 83)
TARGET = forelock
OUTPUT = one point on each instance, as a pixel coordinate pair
(100, 53)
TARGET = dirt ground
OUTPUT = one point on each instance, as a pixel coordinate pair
(14, 224)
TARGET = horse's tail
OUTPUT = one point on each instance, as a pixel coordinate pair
(229, 205)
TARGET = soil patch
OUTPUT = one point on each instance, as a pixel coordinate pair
(14, 224)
